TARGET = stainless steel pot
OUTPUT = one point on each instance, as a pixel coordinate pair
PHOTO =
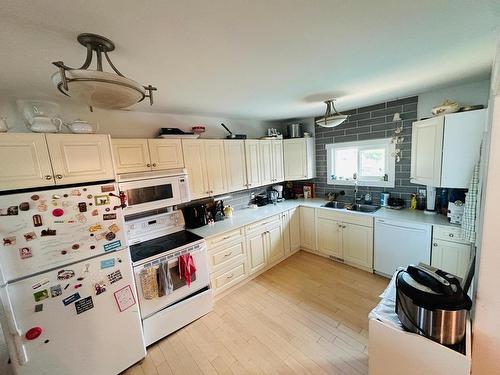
(295, 131)
(432, 304)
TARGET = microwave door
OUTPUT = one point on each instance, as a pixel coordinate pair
(151, 194)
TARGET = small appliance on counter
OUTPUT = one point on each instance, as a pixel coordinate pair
(432, 304)
(395, 203)
(431, 200)
(455, 212)
(279, 190)
(195, 216)
(261, 200)
(272, 196)
(216, 210)
(384, 199)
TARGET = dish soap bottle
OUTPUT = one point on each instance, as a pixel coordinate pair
(413, 202)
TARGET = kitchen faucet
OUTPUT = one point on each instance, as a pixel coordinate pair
(355, 177)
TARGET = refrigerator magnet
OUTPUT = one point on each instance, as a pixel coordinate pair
(107, 263)
(107, 188)
(75, 193)
(65, 274)
(114, 228)
(42, 206)
(84, 304)
(39, 307)
(30, 236)
(55, 291)
(124, 298)
(115, 276)
(41, 295)
(9, 211)
(72, 298)
(25, 252)
(99, 287)
(9, 241)
(101, 200)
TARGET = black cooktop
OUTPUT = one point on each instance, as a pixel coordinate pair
(162, 244)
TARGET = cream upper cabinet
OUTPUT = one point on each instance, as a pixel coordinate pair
(446, 148)
(357, 245)
(131, 155)
(80, 157)
(329, 237)
(426, 151)
(194, 160)
(307, 228)
(166, 153)
(294, 221)
(256, 251)
(252, 162)
(142, 155)
(25, 161)
(275, 248)
(266, 166)
(278, 171)
(216, 166)
(299, 158)
(235, 164)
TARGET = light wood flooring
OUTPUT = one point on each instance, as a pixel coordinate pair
(307, 315)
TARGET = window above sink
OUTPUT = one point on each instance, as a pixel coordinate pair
(370, 163)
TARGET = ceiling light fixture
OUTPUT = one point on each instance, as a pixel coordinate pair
(331, 118)
(95, 87)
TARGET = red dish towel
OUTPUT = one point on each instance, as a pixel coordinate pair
(187, 267)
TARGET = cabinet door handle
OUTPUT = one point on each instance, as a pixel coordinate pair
(59, 176)
(230, 276)
(48, 177)
(227, 254)
(154, 164)
(452, 235)
(434, 244)
(343, 226)
(148, 165)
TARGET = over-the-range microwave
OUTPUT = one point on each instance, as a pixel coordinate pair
(146, 191)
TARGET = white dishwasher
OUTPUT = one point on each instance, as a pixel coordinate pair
(398, 244)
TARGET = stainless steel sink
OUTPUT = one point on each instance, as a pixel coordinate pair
(334, 204)
(364, 207)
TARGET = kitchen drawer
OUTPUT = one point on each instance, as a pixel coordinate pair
(346, 217)
(225, 239)
(229, 277)
(260, 225)
(445, 233)
(224, 255)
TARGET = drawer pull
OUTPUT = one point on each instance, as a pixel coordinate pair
(452, 235)
(227, 254)
(230, 276)
(434, 244)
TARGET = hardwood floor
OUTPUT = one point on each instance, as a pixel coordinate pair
(307, 315)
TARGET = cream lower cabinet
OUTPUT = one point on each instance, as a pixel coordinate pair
(25, 161)
(449, 252)
(307, 228)
(206, 166)
(275, 249)
(345, 237)
(291, 230)
(256, 251)
(235, 164)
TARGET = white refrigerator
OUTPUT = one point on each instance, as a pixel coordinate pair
(68, 300)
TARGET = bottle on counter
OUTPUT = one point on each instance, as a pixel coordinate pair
(413, 202)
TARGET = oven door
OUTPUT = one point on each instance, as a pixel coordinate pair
(150, 194)
(149, 287)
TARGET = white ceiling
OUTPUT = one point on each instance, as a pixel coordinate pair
(265, 59)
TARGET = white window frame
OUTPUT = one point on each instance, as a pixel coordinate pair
(390, 162)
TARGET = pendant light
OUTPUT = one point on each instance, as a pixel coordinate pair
(97, 88)
(331, 118)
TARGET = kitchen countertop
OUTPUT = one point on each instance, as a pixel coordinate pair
(247, 216)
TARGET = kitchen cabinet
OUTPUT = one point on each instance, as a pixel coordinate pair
(275, 249)
(80, 157)
(36, 160)
(252, 156)
(291, 230)
(285, 231)
(206, 166)
(307, 228)
(449, 252)
(143, 155)
(25, 161)
(345, 237)
(256, 251)
(278, 168)
(235, 164)
(266, 162)
(445, 149)
(299, 159)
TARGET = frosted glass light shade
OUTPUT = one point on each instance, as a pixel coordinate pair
(100, 89)
(331, 121)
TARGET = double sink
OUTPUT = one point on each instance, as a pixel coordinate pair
(352, 207)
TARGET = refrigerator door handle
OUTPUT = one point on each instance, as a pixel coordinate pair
(14, 330)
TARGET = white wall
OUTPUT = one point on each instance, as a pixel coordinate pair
(470, 93)
(486, 323)
(130, 124)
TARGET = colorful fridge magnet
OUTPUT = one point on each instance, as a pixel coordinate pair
(24, 206)
(81, 218)
(124, 298)
(35, 197)
(107, 188)
(110, 236)
(107, 263)
(55, 291)
(95, 212)
(48, 232)
(9, 241)
(101, 200)
(112, 245)
(82, 207)
(65, 274)
(75, 193)
(41, 295)
(42, 206)
(72, 298)
(37, 220)
(95, 228)
(9, 211)
(115, 276)
(25, 252)
(114, 228)
(39, 307)
(99, 287)
(109, 216)
(84, 304)
(30, 236)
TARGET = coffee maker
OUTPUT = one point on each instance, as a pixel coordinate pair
(279, 189)
(195, 216)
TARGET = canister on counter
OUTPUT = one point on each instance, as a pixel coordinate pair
(384, 199)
